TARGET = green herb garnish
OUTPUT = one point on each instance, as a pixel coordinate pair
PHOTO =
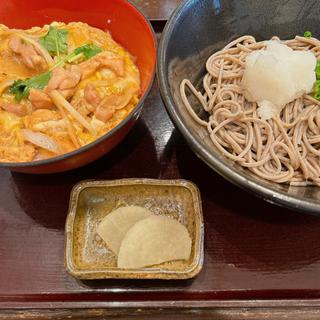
(21, 88)
(55, 41)
(88, 50)
(317, 70)
(316, 87)
(316, 90)
(307, 34)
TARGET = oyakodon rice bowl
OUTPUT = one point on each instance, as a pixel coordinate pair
(62, 86)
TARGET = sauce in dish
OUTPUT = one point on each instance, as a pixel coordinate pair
(61, 87)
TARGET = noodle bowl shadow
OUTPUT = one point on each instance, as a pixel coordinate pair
(193, 33)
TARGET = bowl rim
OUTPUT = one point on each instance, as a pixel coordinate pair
(243, 181)
(135, 110)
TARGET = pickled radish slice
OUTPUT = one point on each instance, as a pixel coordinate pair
(115, 225)
(152, 241)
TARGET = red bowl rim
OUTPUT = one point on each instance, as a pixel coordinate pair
(90, 145)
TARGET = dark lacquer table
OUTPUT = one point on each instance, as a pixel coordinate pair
(261, 261)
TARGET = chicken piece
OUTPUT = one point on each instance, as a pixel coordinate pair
(29, 54)
(44, 115)
(112, 62)
(39, 99)
(111, 103)
(18, 109)
(40, 116)
(83, 107)
(89, 103)
(91, 95)
(92, 102)
(104, 113)
(65, 81)
(44, 120)
(88, 67)
(118, 101)
(103, 60)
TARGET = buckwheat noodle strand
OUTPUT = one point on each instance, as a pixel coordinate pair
(284, 149)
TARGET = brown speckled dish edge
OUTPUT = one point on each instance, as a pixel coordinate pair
(144, 273)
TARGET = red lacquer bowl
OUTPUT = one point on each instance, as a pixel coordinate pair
(127, 26)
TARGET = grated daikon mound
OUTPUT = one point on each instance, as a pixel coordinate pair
(276, 76)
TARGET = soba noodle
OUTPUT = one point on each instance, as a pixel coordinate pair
(284, 149)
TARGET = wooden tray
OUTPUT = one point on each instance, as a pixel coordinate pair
(260, 260)
(253, 250)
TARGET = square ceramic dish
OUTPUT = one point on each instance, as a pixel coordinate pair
(86, 254)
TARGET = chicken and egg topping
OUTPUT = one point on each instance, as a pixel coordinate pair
(61, 87)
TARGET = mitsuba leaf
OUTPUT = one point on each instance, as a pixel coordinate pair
(21, 88)
(88, 50)
(55, 41)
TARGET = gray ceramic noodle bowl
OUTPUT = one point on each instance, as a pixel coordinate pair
(196, 30)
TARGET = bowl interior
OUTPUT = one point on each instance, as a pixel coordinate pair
(126, 24)
(194, 32)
